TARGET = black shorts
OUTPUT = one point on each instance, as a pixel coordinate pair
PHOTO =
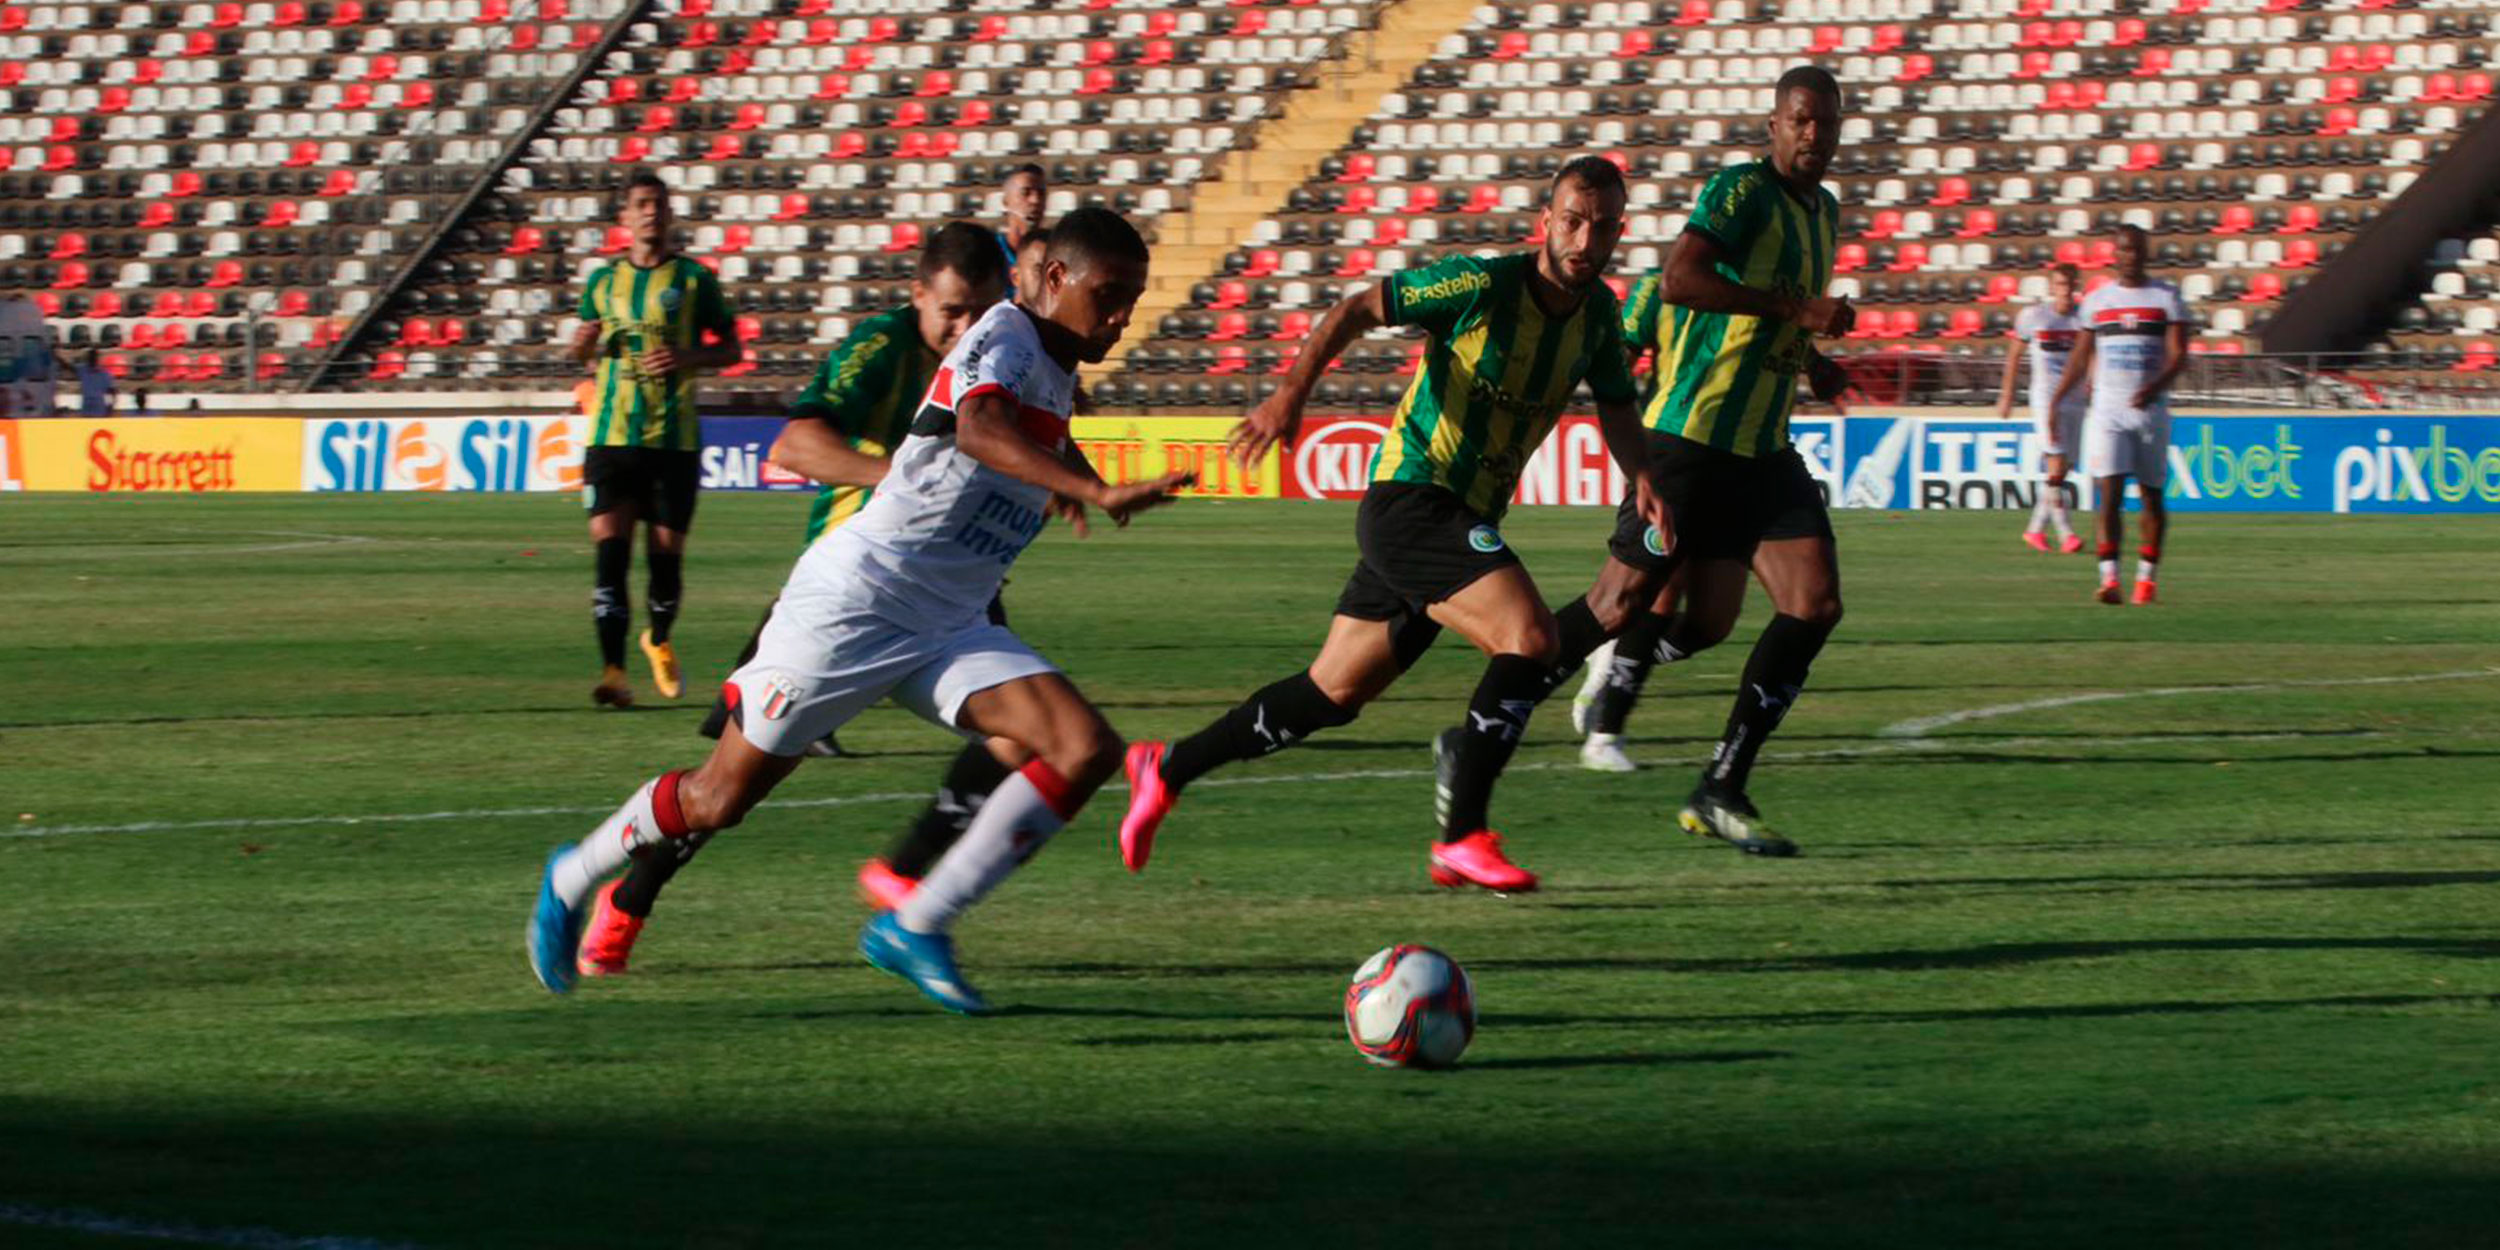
(1725, 504)
(1420, 545)
(659, 484)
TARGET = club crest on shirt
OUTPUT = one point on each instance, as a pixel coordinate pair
(671, 298)
(1485, 538)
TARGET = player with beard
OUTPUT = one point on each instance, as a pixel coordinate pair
(1513, 337)
(2133, 345)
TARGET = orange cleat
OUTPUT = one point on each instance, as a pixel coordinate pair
(2109, 594)
(2070, 544)
(1477, 860)
(884, 888)
(608, 940)
(2035, 540)
(1149, 801)
(2143, 592)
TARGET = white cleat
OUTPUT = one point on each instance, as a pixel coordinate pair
(1603, 753)
(1593, 679)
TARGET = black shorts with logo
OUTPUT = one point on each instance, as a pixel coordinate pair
(1420, 545)
(659, 483)
(1725, 504)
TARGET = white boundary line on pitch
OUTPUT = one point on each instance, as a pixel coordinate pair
(96, 1223)
(1904, 747)
(136, 551)
(1917, 726)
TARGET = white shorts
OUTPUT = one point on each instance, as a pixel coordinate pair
(2136, 447)
(820, 663)
(2062, 434)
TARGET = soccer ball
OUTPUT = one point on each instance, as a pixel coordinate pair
(1410, 1007)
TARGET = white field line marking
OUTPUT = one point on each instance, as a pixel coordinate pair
(1365, 774)
(129, 551)
(1917, 726)
(99, 1224)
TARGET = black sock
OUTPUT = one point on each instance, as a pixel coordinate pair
(1636, 652)
(611, 605)
(1497, 717)
(718, 718)
(969, 780)
(651, 868)
(1580, 636)
(1267, 722)
(1774, 675)
(668, 584)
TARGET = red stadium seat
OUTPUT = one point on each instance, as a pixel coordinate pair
(1886, 224)
(1228, 327)
(168, 304)
(2478, 357)
(2475, 86)
(1096, 82)
(829, 87)
(226, 16)
(1915, 67)
(1951, 191)
(1911, 259)
(281, 215)
(59, 157)
(1694, 13)
(382, 68)
(1888, 38)
(2072, 252)
(208, 367)
(270, 367)
(69, 246)
(2342, 89)
(624, 90)
(632, 150)
(1359, 263)
(340, 182)
(1979, 223)
(2438, 88)
(848, 144)
(1162, 22)
(1964, 324)
(293, 304)
(304, 155)
(735, 239)
(936, 83)
(992, 28)
(1423, 199)
(615, 240)
(2143, 156)
(2339, 122)
(417, 95)
(106, 304)
(348, 13)
(915, 146)
(2130, 32)
(910, 114)
(1098, 52)
(525, 240)
(356, 95)
(2236, 219)
(1158, 52)
(1825, 41)
(116, 364)
(1364, 200)
(884, 30)
(388, 365)
(1263, 261)
(1251, 22)
(1850, 258)
(142, 337)
(724, 148)
(1391, 233)
(1229, 295)
(1230, 358)
(2001, 288)
(113, 100)
(976, 113)
(749, 117)
(419, 332)
(1483, 199)
(2299, 219)
(72, 275)
(906, 238)
(1294, 325)
(2264, 288)
(2300, 254)
(1634, 43)
(793, 207)
(1512, 46)
(1359, 167)
(200, 304)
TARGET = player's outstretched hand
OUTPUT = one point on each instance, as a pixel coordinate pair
(1827, 317)
(660, 362)
(1071, 511)
(1275, 422)
(1128, 499)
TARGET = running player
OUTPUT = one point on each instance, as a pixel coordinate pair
(895, 602)
(2046, 332)
(1513, 336)
(1746, 282)
(644, 319)
(2133, 346)
(842, 430)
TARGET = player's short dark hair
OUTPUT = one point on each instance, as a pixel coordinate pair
(1038, 234)
(1021, 170)
(642, 178)
(1595, 174)
(1092, 234)
(2066, 269)
(1812, 78)
(970, 251)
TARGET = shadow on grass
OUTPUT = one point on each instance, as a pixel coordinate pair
(1632, 1060)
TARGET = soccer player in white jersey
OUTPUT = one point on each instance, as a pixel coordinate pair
(895, 603)
(2133, 345)
(2046, 333)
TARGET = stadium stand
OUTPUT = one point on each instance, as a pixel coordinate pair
(230, 196)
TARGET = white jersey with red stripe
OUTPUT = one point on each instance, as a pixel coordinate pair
(2048, 338)
(2130, 328)
(932, 545)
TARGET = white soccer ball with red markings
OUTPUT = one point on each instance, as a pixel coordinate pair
(1410, 1007)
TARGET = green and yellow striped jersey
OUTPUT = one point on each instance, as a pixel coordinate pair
(1727, 380)
(868, 389)
(1497, 377)
(638, 309)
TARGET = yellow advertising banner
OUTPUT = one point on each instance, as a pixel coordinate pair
(189, 454)
(1125, 449)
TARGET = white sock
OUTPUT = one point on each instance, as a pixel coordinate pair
(1600, 662)
(1014, 822)
(2109, 570)
(604, 852)
(2144, 570)
(2055, 498)
(2040, 510)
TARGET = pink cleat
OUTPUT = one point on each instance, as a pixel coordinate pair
(2108, 593)
(1149, 801)
(2143, 592)
(1477, 860)
(608, 940)
(884, 888)
(2070, 544)
(2035, 540)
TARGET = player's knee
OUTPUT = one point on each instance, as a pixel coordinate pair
(1692, 636)
(710, 805)
(1089, 752)
(1538, 640)
(1821, 610)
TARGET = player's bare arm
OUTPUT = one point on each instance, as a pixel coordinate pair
(1278, 418)
(2005, 389)
(1627, 442)
(1693, 281)
(584, 349)
(812, 450)
(2078, 367)
(2175, 343)
(985, 430)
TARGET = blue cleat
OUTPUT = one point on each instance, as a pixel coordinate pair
(927, 960)
(555, 932)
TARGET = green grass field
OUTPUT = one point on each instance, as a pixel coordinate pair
(2211, 961)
